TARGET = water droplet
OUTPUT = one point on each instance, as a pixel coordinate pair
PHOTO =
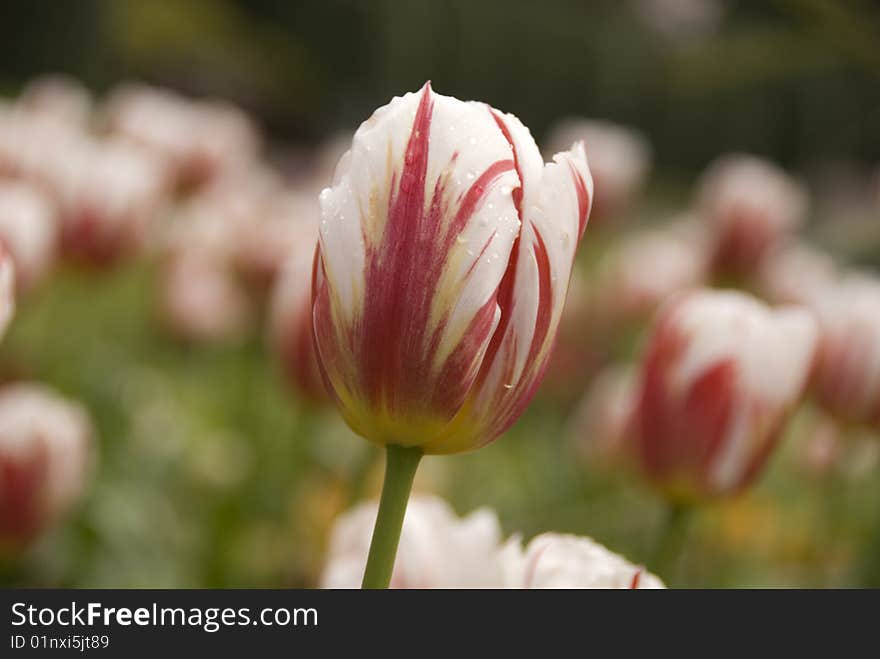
(566, 239)
(471, 176)
(461, 240)
(508, 385)
(472, 140)
(506, 189)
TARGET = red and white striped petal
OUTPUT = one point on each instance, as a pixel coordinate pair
(554, 207)
(415, 238)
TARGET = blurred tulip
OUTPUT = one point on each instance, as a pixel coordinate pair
(7, 288)
(720, 375)
(821, 446)
(796, 274)
(32, 144)
(29, 229)
(200, 140)
(201, 300)
(847, 374)
(290, 317)
(620, 161)
(109, 194)
(681, 20)
(751, 207)
(44, 456)
(440, 550)
(645, 270)
(263, 246)
(437, 548)
(445, 252)
(601, 425)
(553, 560)
(58, 96)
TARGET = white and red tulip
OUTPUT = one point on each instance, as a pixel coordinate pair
(29, 230)
(445, 250)
(44, 458)
(720, 376)
(751, 207)
(846, 380)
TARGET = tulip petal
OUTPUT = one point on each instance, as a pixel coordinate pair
(554, 206)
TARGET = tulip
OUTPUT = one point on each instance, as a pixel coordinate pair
(720, 376)
(7, 288)
(601, 426)
(290, 317)
(201, 300)
(751, 207)
(796, 274)
(29, 229)
(636, 277)
(620, 161)
(438, 549)
(445, 250)
(200, 141)
(681, 21)
(44, 457)
(554, 560)
(58, 96)
(846, 380)
(109, 194)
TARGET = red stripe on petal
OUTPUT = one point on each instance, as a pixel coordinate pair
(637, 577)
(518, 192)
(708, 409)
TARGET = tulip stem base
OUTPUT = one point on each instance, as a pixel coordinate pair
(671, 542)
(400, 470)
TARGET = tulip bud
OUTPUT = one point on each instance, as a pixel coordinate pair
(28, 228)
(602, 421)
(44, 455)
(752, 207)
(7, 288)
(720, 375)
(446, 246)
(847, 374)
(553, 560)
(620, 161)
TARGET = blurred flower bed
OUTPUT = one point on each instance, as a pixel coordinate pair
(153, 297)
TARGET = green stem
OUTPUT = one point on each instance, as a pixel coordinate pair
(671, 541)
(400, 469)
